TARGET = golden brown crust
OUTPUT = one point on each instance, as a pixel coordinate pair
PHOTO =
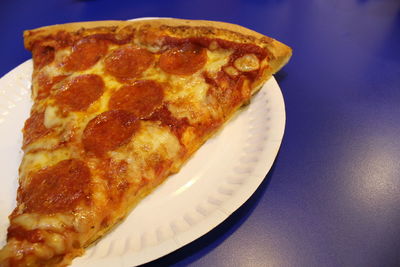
(172, 27)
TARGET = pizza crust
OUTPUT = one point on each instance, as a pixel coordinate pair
(177, 28)
(173, 27)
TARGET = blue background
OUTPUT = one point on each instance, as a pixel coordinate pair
(332, 197)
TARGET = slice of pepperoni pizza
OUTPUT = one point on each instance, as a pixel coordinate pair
(118, 106)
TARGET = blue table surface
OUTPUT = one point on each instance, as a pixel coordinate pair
(332, 197)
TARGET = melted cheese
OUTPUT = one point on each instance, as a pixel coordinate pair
(248, 62)
(54, 68)
(154, 138)
(56, 242)
(153, 141)
(190, 88)
(42, 251)
(37, 160)
(50, 143)
(51, 118)
(217, 59)
(55, 222)
(231, 71)
(155, 73)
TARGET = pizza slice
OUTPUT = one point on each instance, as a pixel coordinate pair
(118, 106)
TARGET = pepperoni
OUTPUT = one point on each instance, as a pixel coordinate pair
(141, 98)
(57, 188)
(34, 128)
(80, 92)
(128, 62)
(45, 84)
(108, 131)
(184, 59)
(85, 53)
(42, 55)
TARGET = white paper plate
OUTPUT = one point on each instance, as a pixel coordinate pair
(220, 177)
